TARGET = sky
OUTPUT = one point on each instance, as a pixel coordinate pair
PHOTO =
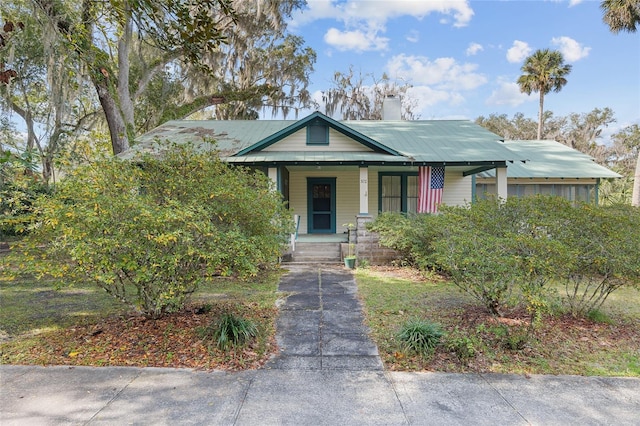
(463, 58)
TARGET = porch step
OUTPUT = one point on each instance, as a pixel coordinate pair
(317, 253)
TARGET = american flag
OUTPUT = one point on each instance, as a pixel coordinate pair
(430, 187)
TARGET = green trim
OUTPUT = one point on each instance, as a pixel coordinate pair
(403, 188)
(478, 170)
(332, 211)
(318, 123)
(279, 179)
(345, 130)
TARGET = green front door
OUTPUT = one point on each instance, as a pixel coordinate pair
(321, 205)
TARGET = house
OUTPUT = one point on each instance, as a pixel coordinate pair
(333, 173)
(551, 169)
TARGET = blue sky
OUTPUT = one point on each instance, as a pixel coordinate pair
(464, 57)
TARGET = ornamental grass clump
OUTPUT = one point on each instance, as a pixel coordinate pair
(230, 331)
(421, 336)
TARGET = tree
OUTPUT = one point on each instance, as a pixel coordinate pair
(101, 34)
(624, 154)
(151, 238)
(48, 92)
(355, 100)
(127, 45)
(621, 15)
(624, 15)
(543, 72)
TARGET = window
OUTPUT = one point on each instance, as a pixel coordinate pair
(398, 192)
(585, 193)
(317, 134)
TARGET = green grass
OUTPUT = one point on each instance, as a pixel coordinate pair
(29, 306)
(606, 344)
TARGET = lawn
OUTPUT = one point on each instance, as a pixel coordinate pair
(82, 325)
(44, 322)
(607, 344)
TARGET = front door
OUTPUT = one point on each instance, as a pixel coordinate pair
(321, 203)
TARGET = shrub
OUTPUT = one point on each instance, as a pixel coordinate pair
(463, 346)
(605, 255)
(150, 231)
(411, 236)
(420, 336)
(230, 330)
(19, 190)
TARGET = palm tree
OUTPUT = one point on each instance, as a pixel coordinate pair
(544, 71)
(624, 15)
(621, 15)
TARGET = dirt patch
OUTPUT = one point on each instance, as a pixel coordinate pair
(171, 341)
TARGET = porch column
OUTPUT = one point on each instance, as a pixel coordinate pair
(364, 190)
(501, 182)
(272, 172)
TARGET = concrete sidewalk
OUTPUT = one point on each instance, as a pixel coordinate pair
(328, 372)
(120, 395)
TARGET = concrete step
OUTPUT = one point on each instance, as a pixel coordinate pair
(317, 253)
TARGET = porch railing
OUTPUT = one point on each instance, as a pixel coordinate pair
(294, 236)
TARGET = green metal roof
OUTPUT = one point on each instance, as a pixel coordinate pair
(551, 159)
(230, 136)
(448, 141)
(453, 142)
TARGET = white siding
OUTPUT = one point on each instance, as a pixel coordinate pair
(457, 188)
(298, 142)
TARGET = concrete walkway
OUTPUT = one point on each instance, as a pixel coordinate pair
(321, 326)
(327, 373)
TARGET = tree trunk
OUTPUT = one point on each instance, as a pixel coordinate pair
(115, 121)
(540, 115)
(124, 94)
(635, 198)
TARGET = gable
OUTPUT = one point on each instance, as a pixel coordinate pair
(299, 141)
(316, 119)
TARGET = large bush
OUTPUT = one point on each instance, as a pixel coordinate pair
(150, 231)
(495, 249)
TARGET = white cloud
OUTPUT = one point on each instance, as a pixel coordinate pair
(426, 97)
(508, 93)
(574, 2)
(444, 73)
(381, 11)
(413, 36)
(365, 19)
(518, 52)
(355, 40)
(570, 49)
(474, 48)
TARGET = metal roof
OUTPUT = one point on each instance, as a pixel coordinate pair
(438, 140)
(551, 159)
(422, 142)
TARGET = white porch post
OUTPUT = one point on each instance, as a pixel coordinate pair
(501, 182)
(273, 175)
(364, 190)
